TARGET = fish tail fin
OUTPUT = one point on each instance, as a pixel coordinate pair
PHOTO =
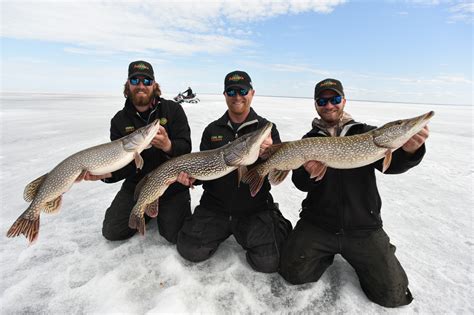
(137, 222)
(277, 176)
(254, 179)
(25, 226)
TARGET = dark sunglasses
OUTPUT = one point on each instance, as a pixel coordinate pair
(145, 81)
(233, 92)
(335, 100)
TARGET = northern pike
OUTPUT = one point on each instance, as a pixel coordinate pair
(204, 165)
(45, 193)
(336, 152)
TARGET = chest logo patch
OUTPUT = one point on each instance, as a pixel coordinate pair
(216, 138)
(129, 129)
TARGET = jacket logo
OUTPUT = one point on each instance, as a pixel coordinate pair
(216, 138)
(163, 121)
(129, 129)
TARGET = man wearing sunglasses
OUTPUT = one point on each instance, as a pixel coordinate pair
(143, 105)
(341, 212)
(226, 206)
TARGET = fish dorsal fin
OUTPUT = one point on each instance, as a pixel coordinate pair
(277, 176)
(32, 188)
(140, 185)
(387, 160)
(270, 150)
(54, 205)
(138, 160)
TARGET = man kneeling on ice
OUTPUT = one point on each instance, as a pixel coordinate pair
(341, 212)
(226, 207)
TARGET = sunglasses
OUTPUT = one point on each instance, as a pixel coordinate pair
(335, 100)
(233, 92)
(145, 81)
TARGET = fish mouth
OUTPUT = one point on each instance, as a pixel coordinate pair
(424, 119)
(428, 115)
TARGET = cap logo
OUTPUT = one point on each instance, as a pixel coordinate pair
(328, 83)
(141, 67)
(236, 77)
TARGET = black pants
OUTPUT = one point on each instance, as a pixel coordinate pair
(309, 251)
(171, 214)
(261, 234)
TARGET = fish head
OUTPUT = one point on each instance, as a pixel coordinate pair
(245, 149)
(140, 139)
(396, 133)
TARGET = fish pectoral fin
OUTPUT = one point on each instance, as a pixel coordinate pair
(387, 160)
(318, 172)
(151, 209)
(32, 188)
(277, 176)
(81, 176)
(138, 160)
(241, 171)
(53, 206)
(321, 173)
(254, 180)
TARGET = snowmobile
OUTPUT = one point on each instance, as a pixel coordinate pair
(189, 98)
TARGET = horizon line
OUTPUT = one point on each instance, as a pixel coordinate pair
(206, 93)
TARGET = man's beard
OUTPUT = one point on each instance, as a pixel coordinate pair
(141, 100)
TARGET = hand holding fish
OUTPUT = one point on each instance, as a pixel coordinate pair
(415, 142)
(162, 141)
(265, 145)
(186, 180)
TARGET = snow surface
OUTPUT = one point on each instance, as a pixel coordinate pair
(427, 213)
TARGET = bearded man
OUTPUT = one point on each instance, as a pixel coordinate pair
(142, 106)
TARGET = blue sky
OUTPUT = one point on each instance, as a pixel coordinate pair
(408, 51)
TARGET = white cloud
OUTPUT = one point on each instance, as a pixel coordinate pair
(462, 12)
(175, 27)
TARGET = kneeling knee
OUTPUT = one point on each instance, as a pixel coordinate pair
(194, 254)
(263, 264)
(391, 297)
(113, 235)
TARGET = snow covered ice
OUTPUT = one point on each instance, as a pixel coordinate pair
(427, 212)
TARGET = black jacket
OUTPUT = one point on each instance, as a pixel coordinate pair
(223, 194)
(172, 118)
(347, 200)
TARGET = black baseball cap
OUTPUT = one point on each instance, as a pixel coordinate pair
(140, 67)
(238, 79)
(328, 84)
